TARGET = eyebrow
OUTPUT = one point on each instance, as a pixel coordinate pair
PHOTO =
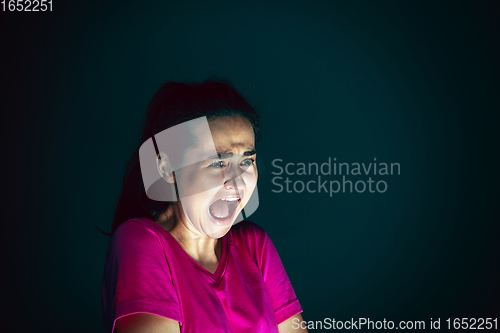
(226, 154)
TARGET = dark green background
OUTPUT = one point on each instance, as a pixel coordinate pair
(412, 82)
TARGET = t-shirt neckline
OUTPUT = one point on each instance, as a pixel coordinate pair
(221, 268)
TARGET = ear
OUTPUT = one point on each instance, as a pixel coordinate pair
(165, 168)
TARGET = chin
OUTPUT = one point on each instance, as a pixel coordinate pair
(219, 233)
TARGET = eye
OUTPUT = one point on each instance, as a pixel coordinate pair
(248, 162)
(218, 164)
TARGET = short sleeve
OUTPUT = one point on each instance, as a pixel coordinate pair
(137, 276)
(285, 302)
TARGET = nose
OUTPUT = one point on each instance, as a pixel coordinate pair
(235, 184)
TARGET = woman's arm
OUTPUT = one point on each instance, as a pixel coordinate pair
(145, 322)
(292, 325)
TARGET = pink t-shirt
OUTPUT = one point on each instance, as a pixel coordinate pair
(147, 271)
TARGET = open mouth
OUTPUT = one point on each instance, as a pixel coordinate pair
(223, 210)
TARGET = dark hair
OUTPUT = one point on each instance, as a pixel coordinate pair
(173, 104)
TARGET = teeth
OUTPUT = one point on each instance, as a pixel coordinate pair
(230, 199)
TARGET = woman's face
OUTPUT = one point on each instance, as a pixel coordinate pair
(214, 191)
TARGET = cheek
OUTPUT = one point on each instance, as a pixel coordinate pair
(256, 174)
(250, 177)
(198, 183)
(251, 183)
(196, 206)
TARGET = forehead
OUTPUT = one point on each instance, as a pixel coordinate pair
(202, 139)
(231, 132)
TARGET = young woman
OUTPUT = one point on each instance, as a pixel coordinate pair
(177, 260)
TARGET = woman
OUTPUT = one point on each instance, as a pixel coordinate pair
(176, 261)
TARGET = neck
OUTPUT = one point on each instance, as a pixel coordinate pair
(200, 247)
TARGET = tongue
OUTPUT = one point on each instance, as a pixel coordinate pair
(220, 209)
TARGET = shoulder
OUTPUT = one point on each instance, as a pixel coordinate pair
(248, 229)
(136, 233)
(249, 235)
(136, 226)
